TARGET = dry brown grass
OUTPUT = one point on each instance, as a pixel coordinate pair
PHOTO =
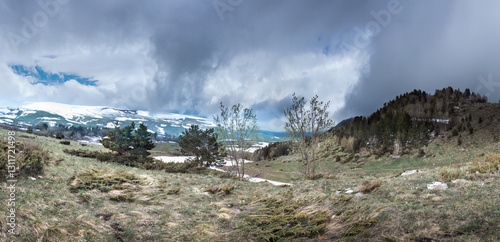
(369, 186)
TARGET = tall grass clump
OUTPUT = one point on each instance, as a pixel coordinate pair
(30, 160)
(283, 218)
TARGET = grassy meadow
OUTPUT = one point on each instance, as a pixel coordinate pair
(82, 199)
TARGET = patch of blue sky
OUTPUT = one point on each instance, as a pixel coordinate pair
(48, 78)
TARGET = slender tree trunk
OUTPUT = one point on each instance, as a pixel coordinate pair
(313, 160)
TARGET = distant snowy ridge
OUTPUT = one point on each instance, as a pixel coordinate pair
(51, 113)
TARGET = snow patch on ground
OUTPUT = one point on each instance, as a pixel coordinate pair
(437, 185)
(256, 179)
(407, 173)
(91, 140)
(182, 159)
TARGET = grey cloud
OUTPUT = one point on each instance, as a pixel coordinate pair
(428, 45)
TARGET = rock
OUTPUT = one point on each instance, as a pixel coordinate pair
(459, 181)
(437, 185)
(349, 191)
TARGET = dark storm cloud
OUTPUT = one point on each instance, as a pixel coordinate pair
(193, 42)
(431, 46)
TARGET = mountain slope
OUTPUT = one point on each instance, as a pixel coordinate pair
(164, 124)
(412, 120)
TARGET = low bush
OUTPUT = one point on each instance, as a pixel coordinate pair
(315, 177)
(81, 153)
(65, 142)
(143, 162)
(29, 159)
(369, 186)
(149, 163)
(449, 175)
(486, 164)
(421, 153)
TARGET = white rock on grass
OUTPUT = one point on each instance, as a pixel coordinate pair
(459, 181)
(437, 185)
(407, 173)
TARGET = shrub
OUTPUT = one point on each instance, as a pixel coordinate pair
(150, 163)
(65, 142)
(315, 177)
(82, 153)
(59, 136)
(143, 162)
(421, 153)
(487, 164)
(368, 186)
(30, 159)
(449, 175)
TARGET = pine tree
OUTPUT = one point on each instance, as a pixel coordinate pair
(202, 144)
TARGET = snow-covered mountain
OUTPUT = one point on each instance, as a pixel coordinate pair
(101, 116)
(93, 116)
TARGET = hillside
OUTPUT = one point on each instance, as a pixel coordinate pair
(414, 119)
(368, 202)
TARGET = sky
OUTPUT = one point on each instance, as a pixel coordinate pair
(186, 56)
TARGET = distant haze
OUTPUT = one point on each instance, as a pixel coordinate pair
(187, 56)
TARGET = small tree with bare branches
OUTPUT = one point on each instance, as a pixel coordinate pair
(236, 128)
(303, 127)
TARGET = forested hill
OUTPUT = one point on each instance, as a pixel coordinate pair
(410, 120)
